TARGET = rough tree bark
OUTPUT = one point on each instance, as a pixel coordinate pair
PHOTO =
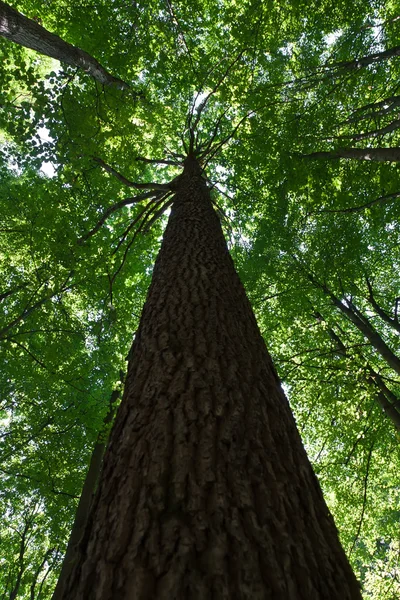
(206, 490)
(26, 32)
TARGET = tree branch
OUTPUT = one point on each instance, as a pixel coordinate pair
(125, 181)
(358, 208)
(26, 32)
(156, 161)
(114, 208)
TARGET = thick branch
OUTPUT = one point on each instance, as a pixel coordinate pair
(367, 60)
(393, 126)
(26, 32)
(375, 154)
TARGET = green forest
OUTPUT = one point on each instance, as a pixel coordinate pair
(293, 110)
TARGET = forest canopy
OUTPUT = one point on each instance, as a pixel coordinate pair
(295, 109)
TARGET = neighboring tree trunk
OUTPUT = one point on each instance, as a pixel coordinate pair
(389, 403)
(86, 498)
(26, 32)
(392, 321)
(367, 329)
(363, 325)
(206, 490)
(375, 154)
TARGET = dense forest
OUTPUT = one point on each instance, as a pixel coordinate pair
(292, 110)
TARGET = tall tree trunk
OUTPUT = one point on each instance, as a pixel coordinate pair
(375, 154)
(206, 490)
(26, 32)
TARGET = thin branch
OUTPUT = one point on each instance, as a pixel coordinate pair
(357, 208)
(180, 32)
(44, 366)
(364, 499)
(157, 215)
(218, 146)
(367, 134)
(156, 161)
(125, 181)
(114, 208)
(384, 107)
(124, 235)
(213, 91)
(364, 61)
(384, 316)
(204, 151)
(139, 229)
(153, 207)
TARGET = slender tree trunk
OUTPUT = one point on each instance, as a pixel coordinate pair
(26, 32)
(384, 397)
(375, 154)
(206, 490)
(393, 322)
(367, 329)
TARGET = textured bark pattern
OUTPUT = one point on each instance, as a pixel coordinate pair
(206, 490)
(26, 32)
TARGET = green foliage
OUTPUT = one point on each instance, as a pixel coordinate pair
(271, 82)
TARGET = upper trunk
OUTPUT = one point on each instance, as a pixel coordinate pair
(26, 32)
(206, 490)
